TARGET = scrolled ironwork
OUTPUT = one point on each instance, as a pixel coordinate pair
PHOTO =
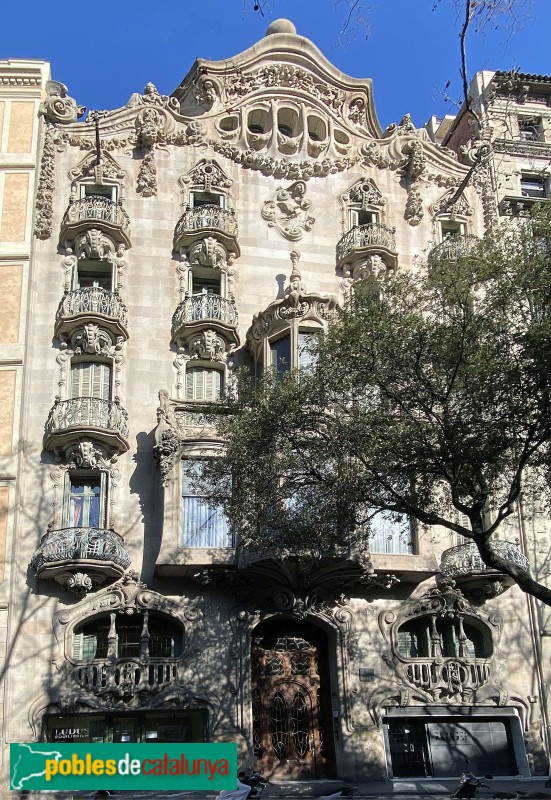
(92, 300)
(97, 209)
(204, 218)
(452, 248)
(448, 677)
(126, 676)
(81, 544)
(88, 412)
(465, 558)
(202, 307)
(373, 236)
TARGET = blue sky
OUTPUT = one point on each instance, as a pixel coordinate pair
(105, 51)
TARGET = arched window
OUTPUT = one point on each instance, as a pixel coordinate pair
(430, 637)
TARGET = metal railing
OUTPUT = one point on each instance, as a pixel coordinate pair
(465, 558)
(449, 676)
(371, 235)
(204, 217)
(97, 209)
(199, 307)
(81, 544)
(126, 676)
(92, 300)
(452, 248)
(87, 412)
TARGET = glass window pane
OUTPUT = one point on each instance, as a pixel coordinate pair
(280, 351)
(391, 534)
(306, 349)
(203, 525)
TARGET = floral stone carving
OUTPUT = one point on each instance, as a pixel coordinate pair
(289, 212)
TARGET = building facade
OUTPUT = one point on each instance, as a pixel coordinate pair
(177, 238)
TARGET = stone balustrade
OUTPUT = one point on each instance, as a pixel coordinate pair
(87, 412)
(452, 248)
(95, 211)
(205, 308)
(126, 677)
(371, 237)
(447, 677)
(91, 301)
(208, 217)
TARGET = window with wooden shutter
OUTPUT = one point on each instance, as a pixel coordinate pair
(91, 379)
(203, 383)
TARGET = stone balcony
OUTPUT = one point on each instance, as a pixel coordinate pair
(465, 566)
(452, 248)
(372, 239)
(444, 677)
(95, 212)
(208, 220)
(127, 677)
(93, 418)
(200, 311)
(80, 559)
(92, 305)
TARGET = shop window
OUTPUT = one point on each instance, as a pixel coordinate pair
(91, 379)
(280, 355)
(203, 383)
(85, 501)
(533, 186)
(92, 274)
(392, 534)
(158, 727)
(202, 523)
(427, 637)
(155, 636)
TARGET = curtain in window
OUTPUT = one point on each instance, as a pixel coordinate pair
(391, 536)
(203, 525)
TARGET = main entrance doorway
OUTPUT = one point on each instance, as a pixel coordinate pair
(291, 701)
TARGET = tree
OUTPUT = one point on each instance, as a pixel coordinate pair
(429, 396)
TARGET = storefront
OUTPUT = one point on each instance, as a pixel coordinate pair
(143, 726)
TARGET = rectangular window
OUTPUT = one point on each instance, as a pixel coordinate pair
(203, 383)
(202, 524)
(530, 128)
(91, 379)
(450, 228)
(203, 285)
(360, 216)
(98, 190)
(533, 186)
(85, 506)
(197, 199)
(306, 349)
(391, 535)
(280, 355)
(94, 273)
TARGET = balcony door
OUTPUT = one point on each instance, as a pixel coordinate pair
(291, 702)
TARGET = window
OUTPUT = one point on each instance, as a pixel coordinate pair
(129, 637)
(306, 349)
(205, 285)
(91, 274)
(198, 199)
(130, 726)
(91, 379)
(530, 128)
(287, 121)
(391, 534)
(426, 637)
(451, 228)
(85, 505)
(258, 121)
(533, 186)
(202, 524)
(280, 355)
(98, 190)
(361, 216)
(203, 383)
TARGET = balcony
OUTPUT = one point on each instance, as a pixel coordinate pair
(199, 311)
(92, 417)
(465, 566)
(445, 678)
(368, 240)
(208, 220)
(453, 248)
(126, 677)
(95, 211)
(95, 305)
(80, 558)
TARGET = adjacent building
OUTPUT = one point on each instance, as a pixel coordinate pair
(176, 238)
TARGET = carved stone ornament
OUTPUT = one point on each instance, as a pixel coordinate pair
(436, 678)
(289, 212)
(356, 111)
(88, 168)
(206, 175)
(45, 188)
(93, 244)
(296, 303)
(208, 346)
(209, 90)
(283, 168)
(58, 106)
(209, 252)
(152, 98)
(413, 213)
(371, 268)
(146, 183)
(91, 340)
(364, 193)
(87, 455)
(461, 208)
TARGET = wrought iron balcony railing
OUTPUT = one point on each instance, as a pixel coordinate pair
(97, 211)
(205, 218)
(126, 676)
(465, 559)
(452, 248)
(445, 677)
(205, 307)
(70, 545)
(87, 412)
(371, 237)
(92, 300)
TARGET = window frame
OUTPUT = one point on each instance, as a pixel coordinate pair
(111, 192)
(534, 179)
(104, 379)
(195, 368)
(90, 478)
(186, 536)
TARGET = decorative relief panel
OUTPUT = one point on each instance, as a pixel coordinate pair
(58, 106)
(289, 212)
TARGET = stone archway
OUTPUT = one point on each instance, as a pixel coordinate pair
(291, 701)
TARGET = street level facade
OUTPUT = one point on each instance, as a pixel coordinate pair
(174, 240)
